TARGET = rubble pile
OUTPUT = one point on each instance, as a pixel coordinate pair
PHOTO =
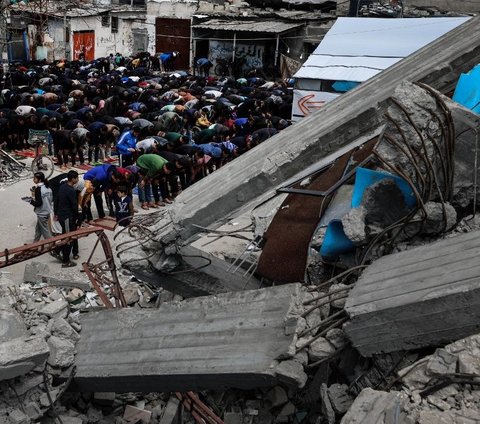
(443, 387)
(37, 350)
(40, 330)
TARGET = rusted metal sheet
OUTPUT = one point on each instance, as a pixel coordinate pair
(174, 35)
(95, 272)
(84, 42)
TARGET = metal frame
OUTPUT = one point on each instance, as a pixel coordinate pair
(96, 273)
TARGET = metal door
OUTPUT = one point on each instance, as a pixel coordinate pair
(84, 42)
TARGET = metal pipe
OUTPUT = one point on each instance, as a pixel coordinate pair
(234, 46)
(276, 50)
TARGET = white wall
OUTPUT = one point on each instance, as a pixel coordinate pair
(106, 41)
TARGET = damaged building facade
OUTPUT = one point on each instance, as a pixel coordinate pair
(340, 286)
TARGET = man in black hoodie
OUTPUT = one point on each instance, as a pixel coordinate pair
(67, 213)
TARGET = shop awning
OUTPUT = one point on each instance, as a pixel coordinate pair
(273, 27)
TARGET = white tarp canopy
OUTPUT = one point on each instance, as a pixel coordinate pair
(356, 49)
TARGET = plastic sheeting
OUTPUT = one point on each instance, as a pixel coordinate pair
(467, 91)
(355, 49)
(336, 242)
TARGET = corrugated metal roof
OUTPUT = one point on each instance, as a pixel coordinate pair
(355, 49)
(345, 68)
(247, 26)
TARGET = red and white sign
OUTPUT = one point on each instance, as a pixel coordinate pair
(306, 102)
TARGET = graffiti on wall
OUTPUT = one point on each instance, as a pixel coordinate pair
(84, 42)
(252, 53)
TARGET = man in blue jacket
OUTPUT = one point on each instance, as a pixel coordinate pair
(98, 180)
(127, 146)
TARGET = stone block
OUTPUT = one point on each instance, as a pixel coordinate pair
(340, 399)
(233, 418)
(70, 420)
(56, 309)
(21, 355)
(18, 417)
(45, 400)
(33, 410)
(104, 398)
(61, 328)
(287, 410)
(170, 411)
(435, 304)
(34, 272)
(291, 373)
(11, 325)
(320, 349)
(62, 352)
(135, 415)
(326, 405)
(277, 396)
(372, 407)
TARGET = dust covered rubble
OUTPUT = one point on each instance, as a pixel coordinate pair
(37, 350)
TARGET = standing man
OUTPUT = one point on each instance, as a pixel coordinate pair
(66, 212)
(42, 199)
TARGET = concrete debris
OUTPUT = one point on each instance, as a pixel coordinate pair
(12, 325)
(354, 225)
(135, 415)
(62, 352)
(375, 407)
(21, 355)
(170, 411)
(326, 405)
(56, 309)
(263, 215)
(337, 338)
(277, 396)
(436, 219)
(18, 417)
(338, 295)
(39, 272)
(377, 202)
(62, 329)
(249, 329)
(339, 397)
(291, 373)
(320, 349)
(104, 398)
(429, 307)
(37, 344)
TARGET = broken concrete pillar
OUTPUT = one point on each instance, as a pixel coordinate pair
(426, 296)
(415, 143)
(233, 339)
(271, 163)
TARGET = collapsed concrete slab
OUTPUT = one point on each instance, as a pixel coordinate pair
(264, 168)
(21, 355)
(234, 339)
(426, 296)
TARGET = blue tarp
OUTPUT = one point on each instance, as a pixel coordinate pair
(344, 86)
(366, 177)
(336, 242)
(467, 91)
